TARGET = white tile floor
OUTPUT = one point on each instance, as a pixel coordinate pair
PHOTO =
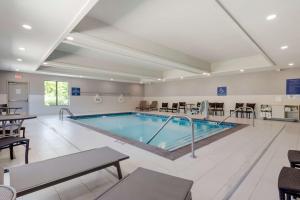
(216, 171)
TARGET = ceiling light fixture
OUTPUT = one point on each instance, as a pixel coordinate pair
(22, 49)
(271, 17)
(111, 79)
(158, 79)
(70, 38)
(284, 47)
(19, 60)
(291, 64)
(242, 70)
(17, 70)
(45, 63)
(27, 27)
(181, 77)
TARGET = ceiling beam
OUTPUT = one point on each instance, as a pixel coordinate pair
(97, 44)
(223, 7)
(88, 5)
(90, 70)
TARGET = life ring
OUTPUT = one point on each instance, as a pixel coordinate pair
(121, 99)
(98, 99)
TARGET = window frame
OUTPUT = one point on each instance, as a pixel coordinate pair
(56, 92)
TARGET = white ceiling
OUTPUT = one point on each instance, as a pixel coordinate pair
(199, 28)
(271, 35)
(149, 40)
(51, 21)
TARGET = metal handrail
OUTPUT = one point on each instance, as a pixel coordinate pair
(61, 113)
(170, 117)
(240, 108)
(193, 131)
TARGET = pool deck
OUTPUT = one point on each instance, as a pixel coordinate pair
(243, 165)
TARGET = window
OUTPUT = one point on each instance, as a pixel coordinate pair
(56, 93)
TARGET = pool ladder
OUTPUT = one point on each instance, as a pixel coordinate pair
(61, 113)
(193, 131)
(240, 108)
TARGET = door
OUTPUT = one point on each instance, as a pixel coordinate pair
(18, 95)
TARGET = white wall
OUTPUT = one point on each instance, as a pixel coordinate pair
(229, 101)
(83, 104)
(261, 88)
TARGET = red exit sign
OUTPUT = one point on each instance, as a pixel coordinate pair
(18, 76)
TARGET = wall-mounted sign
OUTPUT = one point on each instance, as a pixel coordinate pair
(75, 91)
(222, 91)
(293, 86)
(18, 76)
(98, 99)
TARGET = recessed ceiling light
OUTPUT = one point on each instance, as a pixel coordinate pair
(206, 74)
(111, 79)
(284, 47)
(70, 38)
(22, 49)
(26, 26)
(80, 76)
(45, 63)
(17, 70)
(291, 64)
(242, 70)
(19, 59)
(181, 77)
(271, 17)
(158, 79)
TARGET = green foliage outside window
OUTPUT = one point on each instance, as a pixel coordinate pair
(56, 93)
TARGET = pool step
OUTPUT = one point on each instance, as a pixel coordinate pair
(187, 140)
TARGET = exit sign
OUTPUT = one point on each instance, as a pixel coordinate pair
(18, 76)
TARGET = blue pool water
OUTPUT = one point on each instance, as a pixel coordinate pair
(142, 127)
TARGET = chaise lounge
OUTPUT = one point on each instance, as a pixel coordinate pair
(174, 107)
(153, 106)
(144, 184)
(32, 177)
(143, 106)
(164, 107)
(141, 184)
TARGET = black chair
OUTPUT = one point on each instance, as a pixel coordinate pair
(219, 107)
(174, 107)
(248, 110)
(182, 106)
(238, 105)
(212, 108)
(164, 107)
(11, 142)
(196, 110)
(294, 158)
(3, 110)
(289, 183)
